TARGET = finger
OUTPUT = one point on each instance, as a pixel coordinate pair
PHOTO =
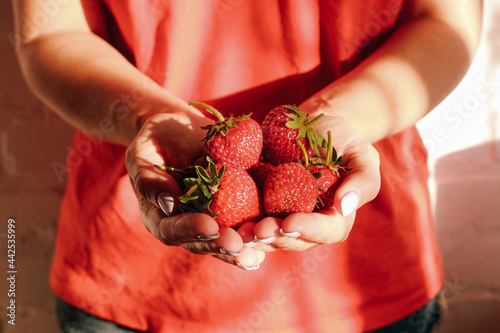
(270, 235)
(155, 185)
(251, 240)
(249, 259)
(229, 243)
(246, 231)
(180, 228)
(362, 183)
(267, 230)
(324, 227)
(266, 233)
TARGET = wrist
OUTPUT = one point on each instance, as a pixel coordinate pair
(133, 120)
(352, 107)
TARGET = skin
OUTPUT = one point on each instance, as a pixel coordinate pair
(427, 56)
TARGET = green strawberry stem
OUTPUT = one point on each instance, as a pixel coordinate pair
(306, 158)
(329, 144)
(222, 124)
(301, 118)
(164, 167)
(295, 109)
(311, 122)
(300, 121)
(210, 108)
(319, 202)
(191, 190)
(331, 160)
(311, 135)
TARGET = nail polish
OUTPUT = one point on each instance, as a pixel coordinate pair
(229, 253)
(268, 240)
(166, 203)
(294, 234)
(251, 268)
(349, 203)
(252, 243)
(204, 237)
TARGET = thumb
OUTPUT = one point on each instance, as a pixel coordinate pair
(362, 183)
(151, 184)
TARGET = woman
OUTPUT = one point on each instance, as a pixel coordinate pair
(123, 71)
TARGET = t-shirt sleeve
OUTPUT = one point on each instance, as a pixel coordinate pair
(95, 13)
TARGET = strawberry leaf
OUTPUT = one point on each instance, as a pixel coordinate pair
(318, 175)
(188, 199)
(222, 124)
(319, 202)
(313, 143)
(334, 156)
(206, 191)
(213, 170)
(202, 189)
(207, 207)
(295, 109)
(221, 172)
(292, 124)
(315, 160)
(321, 141)
(204, 176)
(190, 182)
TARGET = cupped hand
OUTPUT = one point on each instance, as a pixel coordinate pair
(175, 140)
(360, 185)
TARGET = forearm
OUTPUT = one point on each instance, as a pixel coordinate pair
(412, 72)
(92, 86)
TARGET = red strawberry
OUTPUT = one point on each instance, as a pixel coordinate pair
(225, 192)
(235, 141)
(328, 182)
(290, 188)
(259, 173)
(327, 172)
(282, 128)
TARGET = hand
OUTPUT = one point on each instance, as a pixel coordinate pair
(175, 139)
(360, 185)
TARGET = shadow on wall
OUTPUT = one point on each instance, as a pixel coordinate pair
(468, 231)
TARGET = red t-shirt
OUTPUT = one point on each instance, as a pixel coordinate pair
(244, 56)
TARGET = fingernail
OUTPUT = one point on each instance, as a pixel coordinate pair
(251, 243)
(204, 237)
(232, 254)
(349, 203)
(251, 268)
(268, 240)
(166, 203)
(294, 234)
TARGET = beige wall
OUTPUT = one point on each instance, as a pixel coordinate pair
(463, 139)
(467, 194)
(31, 138)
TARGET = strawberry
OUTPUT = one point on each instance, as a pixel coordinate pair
(282, 129)
(328, 182)
(259, 173)
(235, 141)
(290, 188)
(225, 192)
(327, 172)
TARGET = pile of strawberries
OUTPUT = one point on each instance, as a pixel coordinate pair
(253, 171)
